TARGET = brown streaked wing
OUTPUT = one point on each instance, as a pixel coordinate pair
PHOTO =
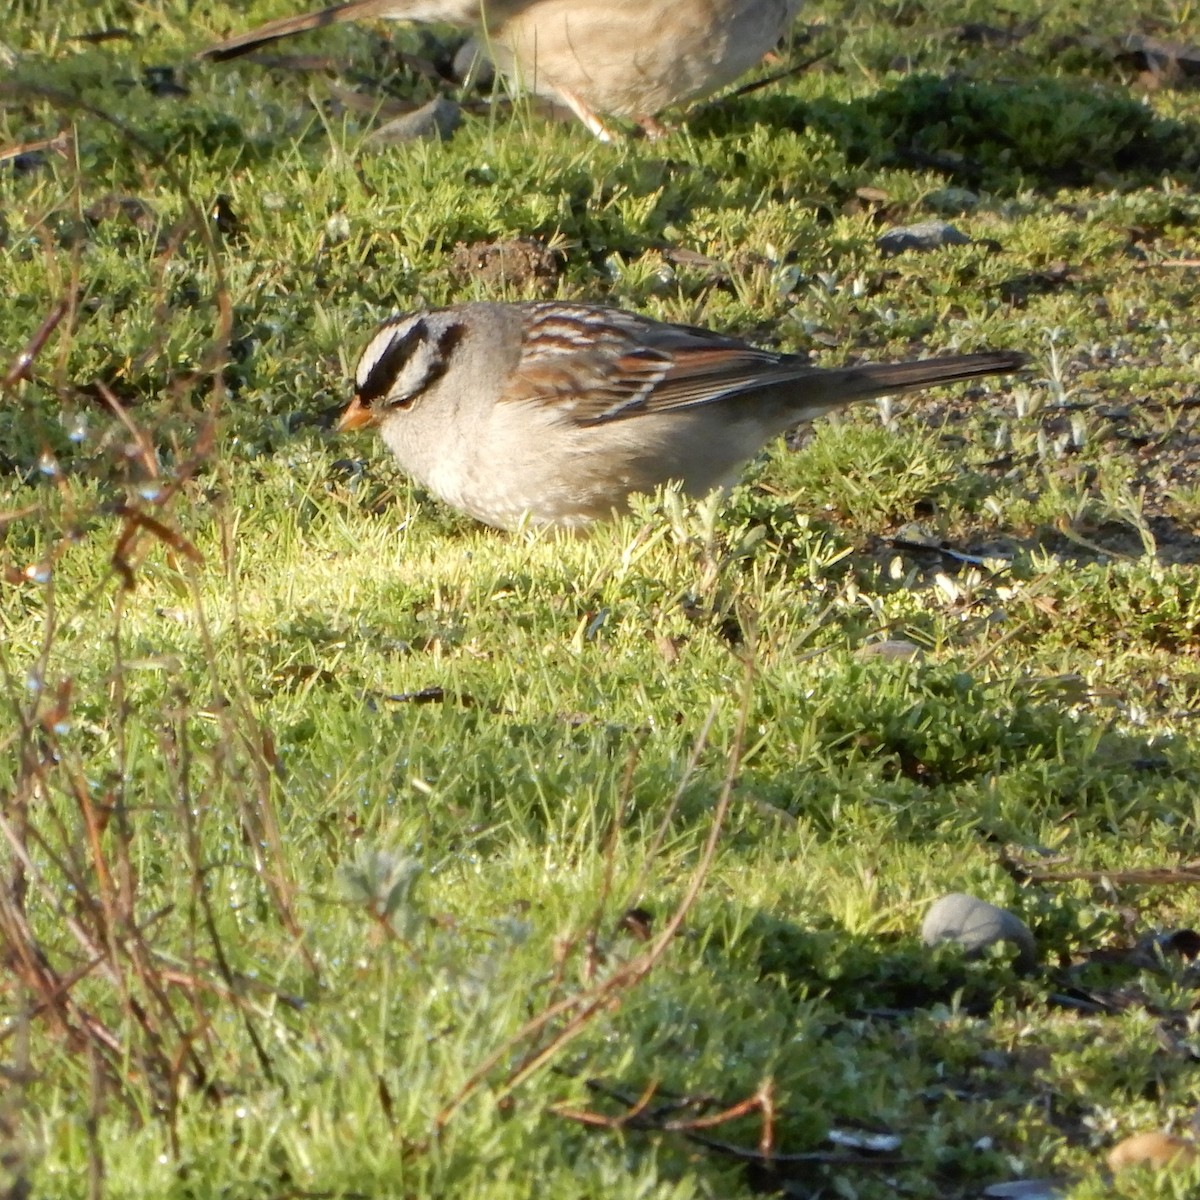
(706, 374)
(601, 364)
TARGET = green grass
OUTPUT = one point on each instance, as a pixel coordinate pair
(323, 809)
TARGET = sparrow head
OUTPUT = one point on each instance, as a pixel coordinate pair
(404, 357)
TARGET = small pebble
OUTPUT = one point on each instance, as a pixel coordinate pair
(975, 925)
(860, 1139)
(1153, 1149)
(893, 649)
(1025, 1189)
(951, 200)
(472, 65)
(927, 235)
(437, 119)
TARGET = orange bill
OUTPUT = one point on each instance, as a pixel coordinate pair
(356, 416)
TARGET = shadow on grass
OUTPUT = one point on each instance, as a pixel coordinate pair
(863, 976)
(999, 136)
(1175, 544)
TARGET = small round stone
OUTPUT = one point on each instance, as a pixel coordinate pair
(952, 200)
(925, 235)
(472, 63)
(975, 925)
(892, 650)
(436, 120)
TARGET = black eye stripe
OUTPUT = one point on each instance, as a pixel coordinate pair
(447, 340)
(384, 371)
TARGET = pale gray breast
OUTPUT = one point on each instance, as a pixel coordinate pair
(637, 57)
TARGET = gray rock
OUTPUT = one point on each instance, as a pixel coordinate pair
(975, 925)
(892, 650)
(472, 66)
(926, 235)
(1025, 1189)
(437, 119)
(951, 200)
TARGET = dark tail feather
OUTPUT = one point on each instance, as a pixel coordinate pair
(273, 31)
(868, 380)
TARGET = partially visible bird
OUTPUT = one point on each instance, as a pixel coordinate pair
(618, 58)
(557, 413)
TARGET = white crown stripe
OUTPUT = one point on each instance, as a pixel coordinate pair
(379, 368)
(371, 359)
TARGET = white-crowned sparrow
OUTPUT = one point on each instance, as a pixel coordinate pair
(625, 58)
(557, 412)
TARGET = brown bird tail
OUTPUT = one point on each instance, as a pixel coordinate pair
(868, 380)
(272, 31)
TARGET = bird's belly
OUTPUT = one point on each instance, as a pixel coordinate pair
(635, 59)
(551, 472)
